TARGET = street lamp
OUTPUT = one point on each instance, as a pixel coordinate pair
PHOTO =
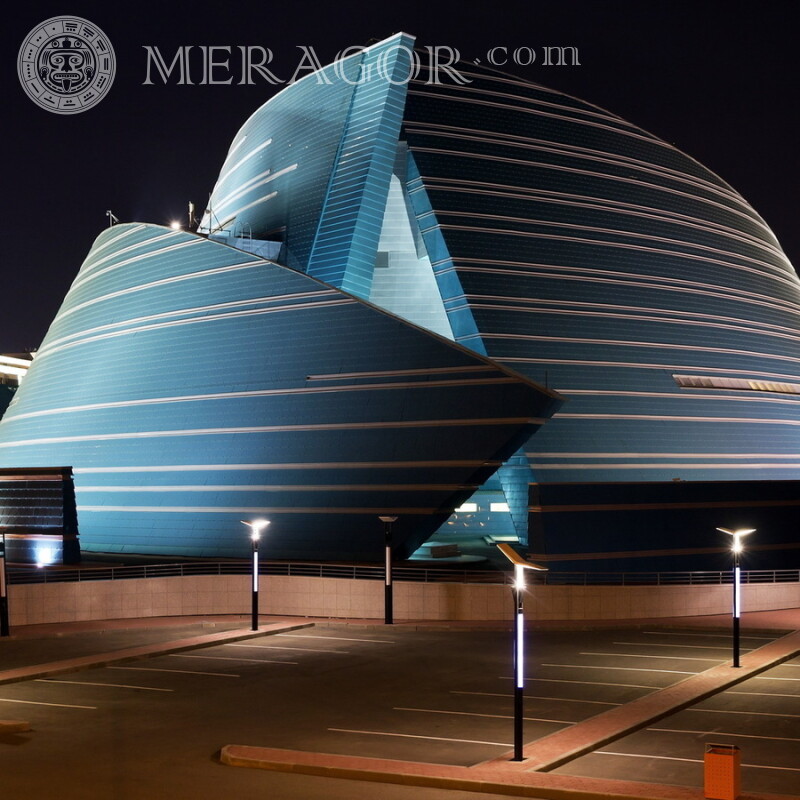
(4, 629)
(388, 616)
(256, 526)
(520, 565)
(736, 549)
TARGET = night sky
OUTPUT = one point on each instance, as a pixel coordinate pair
(717, 79)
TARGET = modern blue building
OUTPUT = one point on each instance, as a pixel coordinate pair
(392, 267)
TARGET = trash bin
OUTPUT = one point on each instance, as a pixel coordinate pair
(722, 763)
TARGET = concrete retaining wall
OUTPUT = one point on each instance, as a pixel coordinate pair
(31, 604)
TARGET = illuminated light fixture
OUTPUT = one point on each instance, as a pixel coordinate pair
(520, 565)
(388, 613)
(256, 526)
(498, 506)
(175, 225)
(465, 508)
(736, 549)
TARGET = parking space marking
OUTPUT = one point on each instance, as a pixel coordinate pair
(749, 713)
(586, 683)
(764, 694)
(417, 736)
(639, 655)
(763, 678)
(37, 703)
(693, 646)
(709, 635)
(334, 638)
(279, 647)
(473, 714)
(720, 733)
(692, 760)
(539, 697)
(109, 685)
(624, 669)
(180, 671)
(229, 658)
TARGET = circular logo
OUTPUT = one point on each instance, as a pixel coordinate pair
(66, 65)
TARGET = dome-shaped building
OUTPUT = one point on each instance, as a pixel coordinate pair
(551, 242)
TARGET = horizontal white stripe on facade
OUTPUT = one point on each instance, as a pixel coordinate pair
(590, 275)
(750, 396)
(163, 282)
(257, 510)
(331, 487)
(747, 465)
(224, 176)
(582, 153)
(622, 232)
(321, 426)
(681, 418)
(178, 312)
(114, 239)
(82, 281)
(634, 343)
(312, 465)
(721, 323)
(91, 261)
(50, 349)
(358, 387)
(654, 187)
(779, 278)
(645, 365)
(603, 204)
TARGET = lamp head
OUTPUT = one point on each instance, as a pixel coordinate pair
(256, 526)
(388, 519)
(737, 537)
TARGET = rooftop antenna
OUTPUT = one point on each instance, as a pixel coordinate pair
(112, 219)
(193, 222)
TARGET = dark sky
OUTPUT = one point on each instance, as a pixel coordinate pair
(717, 79)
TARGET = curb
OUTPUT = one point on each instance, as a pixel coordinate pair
(498, 780)
(143, 651)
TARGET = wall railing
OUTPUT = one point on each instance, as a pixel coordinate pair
(20, 575)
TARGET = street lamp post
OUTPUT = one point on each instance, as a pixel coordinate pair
(4, 628)
(388, 615)
(736, 549)
(520, 565)
(256, 526)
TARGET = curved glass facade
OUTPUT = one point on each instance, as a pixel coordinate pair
(554, 241)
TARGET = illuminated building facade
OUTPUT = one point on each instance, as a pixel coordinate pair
(517, 238)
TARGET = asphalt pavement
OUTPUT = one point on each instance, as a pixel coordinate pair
(426, 708)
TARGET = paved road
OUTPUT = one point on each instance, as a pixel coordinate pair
(152, 728)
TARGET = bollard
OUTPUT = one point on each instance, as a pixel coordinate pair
(722, 767)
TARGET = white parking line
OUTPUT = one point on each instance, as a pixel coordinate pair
(180, 671)
(639, 655)
(278, 647)
(109, 685)
(692, 760)
(692, 646)
(539, 697)
(720, 733)
(748, 713)
(489, 716)
(587, 683)
(228, 658)
(763, 678)
(334, 638)
(36, 703)
(416, 736)
(709, 635)
(764, 694)
(624, 669)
